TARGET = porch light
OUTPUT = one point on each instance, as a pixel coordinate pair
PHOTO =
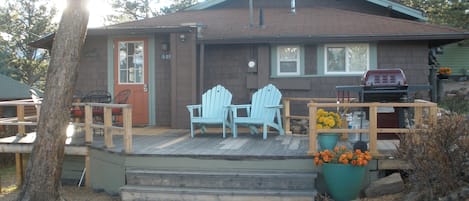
(182, 38)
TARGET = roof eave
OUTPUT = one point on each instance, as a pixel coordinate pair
(438, 39)
(418, 14)
(46, 42)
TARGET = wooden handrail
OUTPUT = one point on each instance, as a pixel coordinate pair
(21, 120)
(373, 128)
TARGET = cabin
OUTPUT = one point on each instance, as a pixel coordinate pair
(304, 47)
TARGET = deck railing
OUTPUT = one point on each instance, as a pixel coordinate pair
(419, 119)
(107, 124)
(287, 114)
(22, 119)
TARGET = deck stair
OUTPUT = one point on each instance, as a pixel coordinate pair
(165, 185)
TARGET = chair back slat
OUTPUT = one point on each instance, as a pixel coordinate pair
(214, 102)
(269, 95)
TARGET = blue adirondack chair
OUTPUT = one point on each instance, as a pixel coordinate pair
(213, 110)
(264, 110)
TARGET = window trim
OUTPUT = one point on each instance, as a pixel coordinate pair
(347, 72)
(298, 61)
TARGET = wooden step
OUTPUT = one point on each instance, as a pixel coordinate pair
(225, 180)
(147, 193)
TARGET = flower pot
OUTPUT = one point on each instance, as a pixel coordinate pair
(343, 182)
(328, 140)
(442, 76)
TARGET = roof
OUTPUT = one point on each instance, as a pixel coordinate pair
(308, 24)
(11, 89)
(418, 14)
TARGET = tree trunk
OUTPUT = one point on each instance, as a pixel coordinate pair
(42, 182)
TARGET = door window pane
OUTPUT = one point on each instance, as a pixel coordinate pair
(131, 61)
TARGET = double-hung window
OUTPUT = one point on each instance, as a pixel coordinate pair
(346, 58)
(288, 60)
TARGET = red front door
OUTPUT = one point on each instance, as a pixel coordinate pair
(131, 72)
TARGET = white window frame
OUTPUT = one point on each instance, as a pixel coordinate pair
(297, 60)
(118, 61)
(347, 66)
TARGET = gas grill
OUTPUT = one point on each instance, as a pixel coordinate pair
(383, 85)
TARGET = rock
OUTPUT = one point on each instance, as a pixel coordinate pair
(460, 194)
(413, 196)
(385, 186)
(295, 129)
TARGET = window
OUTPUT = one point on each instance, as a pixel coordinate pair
(346, 58)
(131, 58)
(288, 60)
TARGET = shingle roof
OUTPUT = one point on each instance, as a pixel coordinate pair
(317, 23)
(11, 89)
(394, 5)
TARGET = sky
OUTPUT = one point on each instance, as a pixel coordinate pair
(99, 9)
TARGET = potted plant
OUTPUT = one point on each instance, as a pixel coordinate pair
(343, 171)
(326, 120)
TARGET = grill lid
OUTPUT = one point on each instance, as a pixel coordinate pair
(384, 78)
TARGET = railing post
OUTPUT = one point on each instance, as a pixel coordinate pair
(108, 127)
(373, 128)
(20, 116)
(312, 128)
(286, 115)
(127, 115)
(88, 122)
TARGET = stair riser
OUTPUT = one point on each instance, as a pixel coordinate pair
(161, 196)
(283, 182)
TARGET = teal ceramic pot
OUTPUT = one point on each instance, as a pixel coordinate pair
(343, 182)
(328, 140)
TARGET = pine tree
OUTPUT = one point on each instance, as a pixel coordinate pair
(22, 22)
(443, 12)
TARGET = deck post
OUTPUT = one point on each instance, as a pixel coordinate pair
(286, 115)
(127, 113)
(19, 169)
(312, 128)
(108, 127)
(87, 168)
(373, 128)
(20, 116)
(88, 122)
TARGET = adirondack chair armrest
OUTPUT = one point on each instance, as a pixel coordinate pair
(191, 109)
(274, 106)
(235, 108)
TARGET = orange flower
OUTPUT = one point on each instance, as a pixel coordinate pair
(340, 155)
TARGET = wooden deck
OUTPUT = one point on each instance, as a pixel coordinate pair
(177, 142)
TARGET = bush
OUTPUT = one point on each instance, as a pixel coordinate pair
(438, 157)
(457, 101)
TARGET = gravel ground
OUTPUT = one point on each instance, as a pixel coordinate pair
(70, 193)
